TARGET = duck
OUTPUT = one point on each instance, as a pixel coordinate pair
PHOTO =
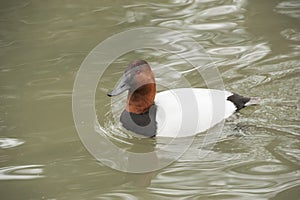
(180, 112)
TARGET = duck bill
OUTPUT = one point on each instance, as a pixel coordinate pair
(120, 88)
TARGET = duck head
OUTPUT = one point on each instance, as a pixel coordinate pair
(139, 80)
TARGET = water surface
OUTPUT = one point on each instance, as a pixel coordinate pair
(255, 45)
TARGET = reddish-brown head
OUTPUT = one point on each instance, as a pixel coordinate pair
(139, 80)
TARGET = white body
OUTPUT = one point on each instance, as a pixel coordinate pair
(187, 111)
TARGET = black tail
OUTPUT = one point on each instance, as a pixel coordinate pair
(239, 101)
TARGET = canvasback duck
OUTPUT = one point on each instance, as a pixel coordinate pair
(178, 112)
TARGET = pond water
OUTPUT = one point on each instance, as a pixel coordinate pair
(255, 45)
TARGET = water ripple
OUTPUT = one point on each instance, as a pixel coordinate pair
(232, 39)
(213, 26)
(257, 52)
(53, 94)
(291, 34)
(290, 8)
(228, 50)
(43, 82)
(6, 143)
(262, 169)
(216, 11)
(23, 172)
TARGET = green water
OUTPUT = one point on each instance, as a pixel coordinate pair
(255, 45)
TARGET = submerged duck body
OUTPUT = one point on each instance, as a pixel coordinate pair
(178, 112)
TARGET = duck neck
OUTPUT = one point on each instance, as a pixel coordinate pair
(139, 101)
